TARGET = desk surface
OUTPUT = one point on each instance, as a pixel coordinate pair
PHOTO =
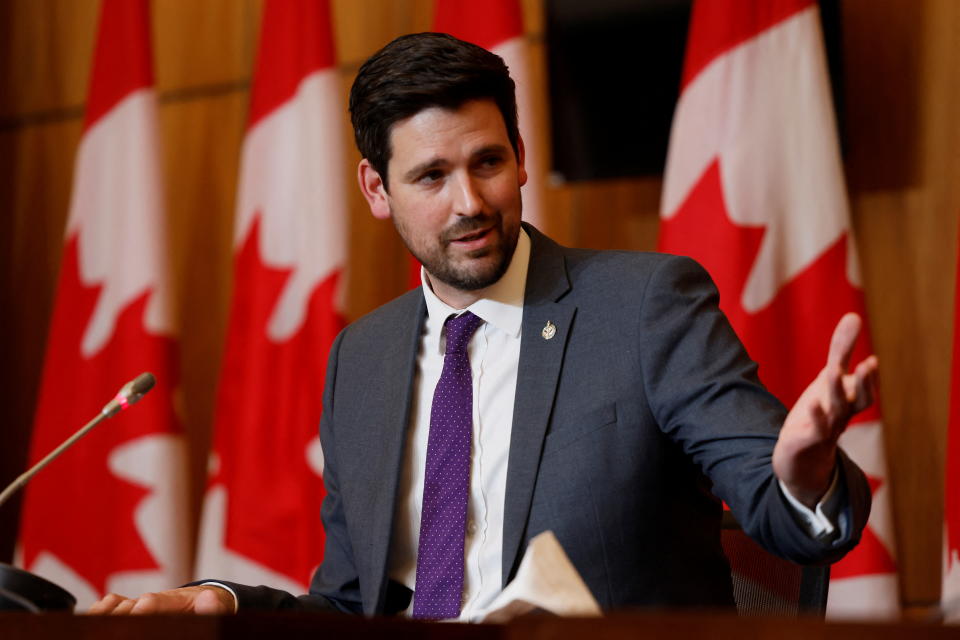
(289, 626)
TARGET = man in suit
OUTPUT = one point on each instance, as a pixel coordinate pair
(609, 400)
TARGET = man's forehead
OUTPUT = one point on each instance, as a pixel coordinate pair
(470, 127)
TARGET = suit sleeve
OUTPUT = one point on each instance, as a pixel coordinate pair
(707, 397)
(335, 585)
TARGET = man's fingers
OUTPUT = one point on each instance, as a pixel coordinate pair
(124, 607)
(149, 603)
(106, 604)
(203, 599)
(837, 409)
(865, 378)
(843, 340)
(818, 417)
(805, 453)
(861, 385)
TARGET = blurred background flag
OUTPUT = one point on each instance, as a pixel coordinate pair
(110, 514)
(260, 520)
(951, 514)
(497, 25)
(754, 191)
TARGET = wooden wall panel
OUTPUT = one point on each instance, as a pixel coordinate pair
(36, 167)
(364, 26)
(202, 45)
(45, 49)
(203, 55)
(201, 156)
(902, 68)
(901, 62)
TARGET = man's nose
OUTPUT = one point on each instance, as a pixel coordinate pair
(468, 200)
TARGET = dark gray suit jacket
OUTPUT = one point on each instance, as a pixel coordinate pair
(627, 423)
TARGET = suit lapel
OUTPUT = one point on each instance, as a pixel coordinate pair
(387, 443)
(539, 371)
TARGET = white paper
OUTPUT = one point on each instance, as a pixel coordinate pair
(546, 580)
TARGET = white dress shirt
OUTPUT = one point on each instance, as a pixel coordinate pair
(494, 352)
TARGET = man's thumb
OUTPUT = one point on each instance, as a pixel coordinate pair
(213, 601)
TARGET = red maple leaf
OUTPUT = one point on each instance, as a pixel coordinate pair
(789, 337)
(268, 411)
(77, 509)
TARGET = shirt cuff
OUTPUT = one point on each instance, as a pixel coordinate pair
(236, 600)
(820, 523)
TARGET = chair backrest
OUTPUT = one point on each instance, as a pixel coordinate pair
(764, 584)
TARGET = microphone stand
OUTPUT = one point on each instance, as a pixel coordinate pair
(21, 590)
(24, 477)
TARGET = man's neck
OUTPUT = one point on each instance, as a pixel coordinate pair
(461, 299)
(456, 298)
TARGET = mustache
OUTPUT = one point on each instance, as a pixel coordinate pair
(466, 226)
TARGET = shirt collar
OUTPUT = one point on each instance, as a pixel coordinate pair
(502, 307)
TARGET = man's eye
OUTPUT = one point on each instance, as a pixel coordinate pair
(430, 177)
(491, 161)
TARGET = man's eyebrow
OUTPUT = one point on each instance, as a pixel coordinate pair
(423, 167)
(490, 148)
(436, 163)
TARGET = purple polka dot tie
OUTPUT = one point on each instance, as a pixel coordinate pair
(446, 481)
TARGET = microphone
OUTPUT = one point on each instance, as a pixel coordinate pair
(21, 590)
(128, 395)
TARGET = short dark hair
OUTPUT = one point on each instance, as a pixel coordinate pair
(418, 71)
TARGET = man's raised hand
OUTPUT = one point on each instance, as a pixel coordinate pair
(202, 600)
(805, 455)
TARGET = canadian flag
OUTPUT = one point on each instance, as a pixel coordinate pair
(951, 511)
(110, 514)
(261, 516)
(754, 190)
(497, 25)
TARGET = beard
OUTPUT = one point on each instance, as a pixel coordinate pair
(474, 270)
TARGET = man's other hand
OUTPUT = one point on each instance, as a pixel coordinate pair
(205, 599)
(806, 452)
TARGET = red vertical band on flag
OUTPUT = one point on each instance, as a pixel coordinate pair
(483, 23)
(295, 40)
(950, 591)
(261, 512)
(124, 26)
(268, 411)
(952, 471)
(716, 26)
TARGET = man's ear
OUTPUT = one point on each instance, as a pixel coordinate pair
(521, 154)
(373, 189)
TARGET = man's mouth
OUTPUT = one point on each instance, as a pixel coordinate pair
(475, 235)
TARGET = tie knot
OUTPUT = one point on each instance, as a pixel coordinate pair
(460, 329)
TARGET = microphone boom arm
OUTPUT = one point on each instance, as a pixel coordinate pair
(128, 395)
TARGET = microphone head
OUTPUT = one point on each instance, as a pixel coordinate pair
(129, 394)
(143, 383)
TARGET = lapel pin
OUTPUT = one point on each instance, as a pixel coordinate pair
(549, 330)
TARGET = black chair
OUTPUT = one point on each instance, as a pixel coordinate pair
(765, 585)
